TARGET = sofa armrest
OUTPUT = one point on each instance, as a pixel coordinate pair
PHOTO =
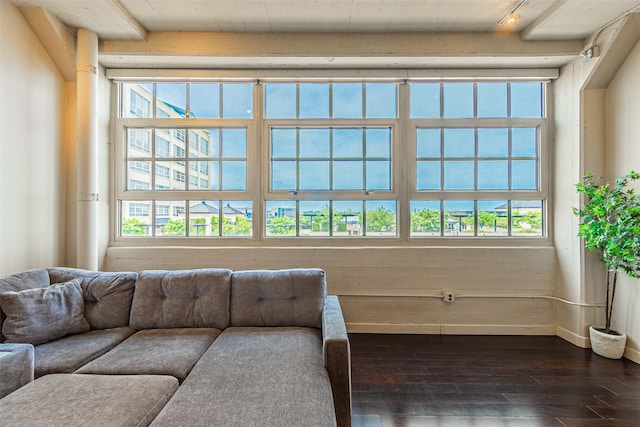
(337, 358)
(16, 367)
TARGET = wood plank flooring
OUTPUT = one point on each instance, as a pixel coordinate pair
(487, 381)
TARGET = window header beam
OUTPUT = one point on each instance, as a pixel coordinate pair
(327, 75)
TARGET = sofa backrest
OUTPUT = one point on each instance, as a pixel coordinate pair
(29, 279)
(107, 295)
(181, 299)
(278, 297)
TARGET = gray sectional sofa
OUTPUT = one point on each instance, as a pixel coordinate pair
(204, 347)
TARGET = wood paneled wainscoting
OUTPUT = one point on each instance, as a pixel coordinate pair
(489, 381)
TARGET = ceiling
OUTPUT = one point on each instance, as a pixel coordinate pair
(139, 20)
(539, 19)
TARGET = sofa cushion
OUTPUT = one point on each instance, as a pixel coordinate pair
(256, 377)
(181, 299)
(69, 400)
(16, 367)
(71, 352)
(107, 296)
(155, 351)
(17, 282)
(36, 316)
(278, 297)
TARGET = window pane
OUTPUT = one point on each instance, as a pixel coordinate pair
(493, 175)
(314, 100)
(347, 100)
(164, 177)
(347, 175)
(314, 175)
(204, 100)
(280, 101)
(381, 218)
(139, 142)
(197, 137)
(526, 99)
(283, 175)
(135, 218)
(314, 143)
(378, 143)
(425, 100)
(237, 218)
(171, 100)
(493, 143)
(378, 175)
(234, 176)
(280, 218)
(173, 224)
(381, 100)
(178, 178)
(203, 218)
(492, 218)
(347, 143)
(425, 218)
(526, 218)
(204, 173)
(492, 100)
(458, 100)
(234, 143)
(524, 176)
(137, 100)
(283, 143)
(428, 176)
(428, 143)
(237, 100)
(314, 218)
(347, 218)
(459, 218)
(162, 144)
(524, 142)
(458, 175)
(459, 143)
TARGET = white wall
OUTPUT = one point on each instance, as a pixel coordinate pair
(32, 190)
(623, 155)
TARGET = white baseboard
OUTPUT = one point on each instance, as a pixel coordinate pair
(448, 329)
(632, 354)
(573, 338)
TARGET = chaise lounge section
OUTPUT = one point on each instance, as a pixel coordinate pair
(246, 348)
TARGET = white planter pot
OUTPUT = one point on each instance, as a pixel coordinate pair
(607, 345)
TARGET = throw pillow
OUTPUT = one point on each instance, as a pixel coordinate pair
(41, 315)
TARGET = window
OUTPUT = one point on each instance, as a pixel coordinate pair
(478, 157)
(186, 161)
(351, 162)
(401, 161)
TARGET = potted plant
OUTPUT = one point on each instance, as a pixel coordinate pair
(610, 225)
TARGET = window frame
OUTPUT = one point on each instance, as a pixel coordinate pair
(403, 165)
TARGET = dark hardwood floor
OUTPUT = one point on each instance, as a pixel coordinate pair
(486, 381)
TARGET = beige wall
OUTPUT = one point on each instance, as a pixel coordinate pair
(623, 155)
(399, 289)
(32, 172)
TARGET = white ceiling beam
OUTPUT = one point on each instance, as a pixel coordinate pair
(340, 46)
(128, 19)
(531, 31)
(57, 39)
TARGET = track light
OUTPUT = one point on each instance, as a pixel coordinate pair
(511, 18)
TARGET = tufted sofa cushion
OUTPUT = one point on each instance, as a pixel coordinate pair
(181, 299)
(278, 297)
(107, 296)
(24, 280)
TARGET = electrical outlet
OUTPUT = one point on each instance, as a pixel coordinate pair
(448, 296)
